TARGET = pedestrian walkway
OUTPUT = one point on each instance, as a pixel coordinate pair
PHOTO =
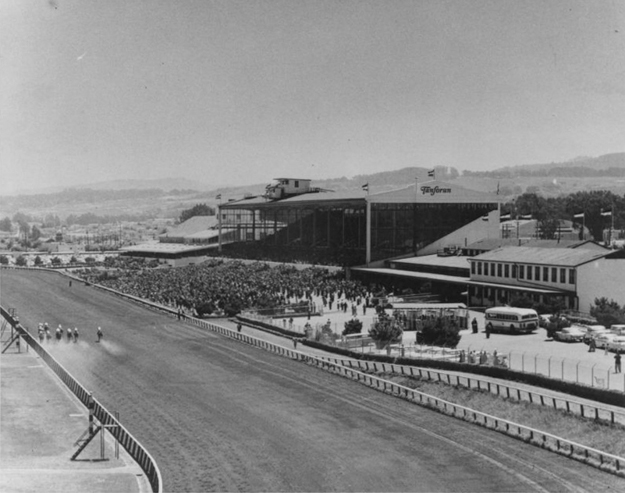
(39, 425)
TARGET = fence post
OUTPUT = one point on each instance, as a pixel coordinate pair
(535, 364)
(549, 367)
(523, 362)
(577, 372)
(592, 375)
(563, 368)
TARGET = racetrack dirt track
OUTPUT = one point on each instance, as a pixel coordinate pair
(218, 415)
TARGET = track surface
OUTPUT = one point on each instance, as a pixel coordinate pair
(221, 416)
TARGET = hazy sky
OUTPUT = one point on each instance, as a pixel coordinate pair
(227, 92)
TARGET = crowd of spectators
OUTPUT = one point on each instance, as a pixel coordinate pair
(232, 286)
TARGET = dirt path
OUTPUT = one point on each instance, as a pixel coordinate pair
(222, 416)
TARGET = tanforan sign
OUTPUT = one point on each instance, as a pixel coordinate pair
(434, 190)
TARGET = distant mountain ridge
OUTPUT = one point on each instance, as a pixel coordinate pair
(169, 196)
(592, 165)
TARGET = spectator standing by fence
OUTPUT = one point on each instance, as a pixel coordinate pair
(99, 334)
(617, 362)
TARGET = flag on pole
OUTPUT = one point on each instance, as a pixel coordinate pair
(218, 197)
(431, 173)
(606, 213)
(365, 187)
(579, 216)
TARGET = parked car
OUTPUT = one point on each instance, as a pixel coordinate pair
(617, 344)
(604, 340)
(569, 334)
(618, 329)
(592, 331)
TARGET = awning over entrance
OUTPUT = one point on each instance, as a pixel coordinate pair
(426, 276)
(511, 287)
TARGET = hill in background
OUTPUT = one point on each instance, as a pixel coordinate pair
(167, 198)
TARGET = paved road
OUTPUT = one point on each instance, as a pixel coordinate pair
(221, 416)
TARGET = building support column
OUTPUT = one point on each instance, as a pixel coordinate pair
(219, 223)
(368, 231)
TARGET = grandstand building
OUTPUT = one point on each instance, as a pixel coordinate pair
(356, 228)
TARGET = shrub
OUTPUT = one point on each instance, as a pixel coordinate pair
(386, 330)
(231, 309)
(607, 312)
(21, 261)
(205, 308)
(4, 260)
(441, 331)
(38, 260)
(353, 326)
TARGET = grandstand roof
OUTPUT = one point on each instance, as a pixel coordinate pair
(351, 197)
(191, 226)
(167, 248)
(426, 193)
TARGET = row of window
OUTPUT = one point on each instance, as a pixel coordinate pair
(525, 272)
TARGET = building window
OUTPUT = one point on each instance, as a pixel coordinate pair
(472, 267)
(571, 276)
(529, 272)
(506, 270)
(521, 272)
(479, 268)
(546, 274)
(514, 270)
(492, 270)
(554, 274)
(562, 276)
(499, 270)
(296, 183)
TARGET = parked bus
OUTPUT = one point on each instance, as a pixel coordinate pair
(510, 319)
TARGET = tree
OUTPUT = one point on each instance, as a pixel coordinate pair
(56, 261)
(591, 204)
(38, 261)
(607, 312)
(4, 260)
(441, 331)
(385, 330)
(35, 233)
(196, 210)
(6, 225)
(353, 326)
(521, 301)
(21, 261)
